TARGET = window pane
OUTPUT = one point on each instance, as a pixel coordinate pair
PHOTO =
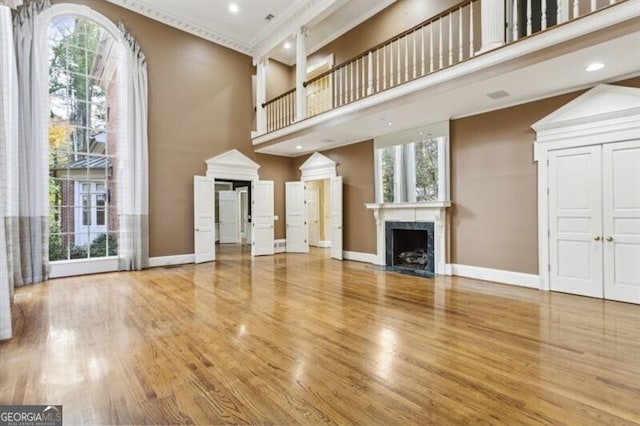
(387, 173)
(426, 155)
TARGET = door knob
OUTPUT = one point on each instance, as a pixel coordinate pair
(596, 238)
(609, 238)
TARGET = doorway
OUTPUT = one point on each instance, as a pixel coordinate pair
(232, 211)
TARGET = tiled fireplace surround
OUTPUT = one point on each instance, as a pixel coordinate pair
(434, 212)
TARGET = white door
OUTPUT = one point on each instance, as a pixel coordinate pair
(262, 218)
(204, 239)
(336, 217)
(296, 218)
(243, 213)
(575, 221)
(228, 220)
(313, 212)
(621, 211)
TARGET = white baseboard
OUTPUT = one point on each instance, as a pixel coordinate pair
(359, 256)
(179, 259)
(324, 244)
(496, 275)
(70, 268)
(279, 246)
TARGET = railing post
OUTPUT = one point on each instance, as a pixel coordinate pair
(301, 74)
(492, 24)
(370, 74)
(261, 94)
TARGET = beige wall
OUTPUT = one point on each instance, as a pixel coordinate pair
(278, 79)
(400, 16)
(279, 170)
(200, 105)
(355, 165)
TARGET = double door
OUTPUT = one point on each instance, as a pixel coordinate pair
(594, 221)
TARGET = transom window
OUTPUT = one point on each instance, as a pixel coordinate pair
(412, 166)
(83, 100)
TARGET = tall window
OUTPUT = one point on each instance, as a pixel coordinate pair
(83, 99)
(412, 166)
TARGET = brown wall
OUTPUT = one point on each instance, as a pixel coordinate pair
(278, 79)
(355, 165)
(494, 186)
(279, 170)
(400, 16)
(200, 105)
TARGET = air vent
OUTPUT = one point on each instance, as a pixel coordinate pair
(497, 95)
(269, 17)
(327, 140)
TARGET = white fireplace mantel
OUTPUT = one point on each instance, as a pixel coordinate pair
(435, 212)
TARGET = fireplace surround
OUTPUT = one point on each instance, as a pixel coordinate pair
(413, 215)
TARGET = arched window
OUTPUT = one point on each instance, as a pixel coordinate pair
(84, 99)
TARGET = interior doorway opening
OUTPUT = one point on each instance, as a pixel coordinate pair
(232, 211)
(319, 212)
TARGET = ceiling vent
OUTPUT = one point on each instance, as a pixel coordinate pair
(497, 95)
(269, 17)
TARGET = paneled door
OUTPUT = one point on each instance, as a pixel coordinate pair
(336, 217)
(621, 210)
(594, 221)
(575, 221)
(296, 217)
(228, 208)
(313, 211)
(262, 218)
(204, 219)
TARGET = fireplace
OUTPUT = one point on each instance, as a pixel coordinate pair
(428, 216)
(409, 247)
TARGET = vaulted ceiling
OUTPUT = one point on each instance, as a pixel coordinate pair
(259, 28)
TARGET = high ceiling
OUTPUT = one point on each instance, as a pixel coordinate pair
(249, 31)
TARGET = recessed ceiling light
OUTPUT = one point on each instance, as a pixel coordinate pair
(233, 8)
(594, 67)
(298, 147)
(287, 45)
(389, 123)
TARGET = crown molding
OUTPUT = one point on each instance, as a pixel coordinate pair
(144, 8)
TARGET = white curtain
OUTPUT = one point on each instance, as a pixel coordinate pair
(28, 205)
(133, 159)
(8, 134)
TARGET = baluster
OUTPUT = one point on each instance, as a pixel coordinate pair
(576, 9)
(391, 64)
(406, 58)
(431, 47)
(515, 28)
(529, 28)
(593, 5)
(345, 88)
(471, 29)
(544, 15)
(363, 91)
(351, 86)
(356, 88)
(450, 38)
(377, 70)
(415, 63)
(399, 61)
(440, 59)
(422, 52)
(384, 67)
(370, 71)
(460, 43)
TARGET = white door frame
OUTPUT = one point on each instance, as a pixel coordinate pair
(320, 167)
(604, 114)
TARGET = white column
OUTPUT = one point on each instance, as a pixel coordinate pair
(261, 94)
(492, 24)
(301, 74)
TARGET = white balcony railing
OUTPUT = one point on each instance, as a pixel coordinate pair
(444, 40)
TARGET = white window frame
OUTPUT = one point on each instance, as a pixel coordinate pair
(438, 131)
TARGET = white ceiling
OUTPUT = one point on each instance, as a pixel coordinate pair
(248, 31)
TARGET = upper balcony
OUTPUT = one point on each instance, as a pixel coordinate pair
(478, 56)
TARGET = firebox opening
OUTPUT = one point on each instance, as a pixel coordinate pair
(410, 247)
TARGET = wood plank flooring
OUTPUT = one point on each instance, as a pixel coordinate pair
(303, 339)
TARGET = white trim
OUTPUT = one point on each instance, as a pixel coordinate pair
(279, 246)
(70, 268)
(324, 244)
(318, 167)
(602, 115)
(496, 275)
(232, 165)
(179, 259)
(357, 256)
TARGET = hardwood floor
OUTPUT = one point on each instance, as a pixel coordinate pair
(303, 339)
